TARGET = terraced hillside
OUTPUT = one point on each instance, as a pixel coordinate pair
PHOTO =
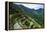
(21, 17)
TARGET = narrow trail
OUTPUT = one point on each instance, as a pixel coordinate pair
(20, 23)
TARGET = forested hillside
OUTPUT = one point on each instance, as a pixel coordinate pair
(22, 17)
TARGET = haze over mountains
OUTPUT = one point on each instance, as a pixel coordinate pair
(28, 10)
(32, 6)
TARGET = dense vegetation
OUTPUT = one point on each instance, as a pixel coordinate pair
(29, 18)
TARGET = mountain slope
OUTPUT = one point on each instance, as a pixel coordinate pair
(27, 16)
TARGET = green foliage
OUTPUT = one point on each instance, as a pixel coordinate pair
(18, 12)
